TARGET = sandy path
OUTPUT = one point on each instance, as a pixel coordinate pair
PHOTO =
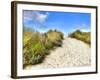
(72, 53)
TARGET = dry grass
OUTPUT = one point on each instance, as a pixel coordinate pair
(37, 45)
(83, 36)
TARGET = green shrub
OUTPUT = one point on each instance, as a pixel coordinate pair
(55, 37)
(34, 55)
(38, 45)
(29, 54)
(83, 36)
(49, 45)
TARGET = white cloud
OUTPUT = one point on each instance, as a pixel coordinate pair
(41, 17)
(27, 16)
(35, 16)
(83, 28)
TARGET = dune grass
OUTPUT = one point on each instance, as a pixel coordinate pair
(37, 45)
(83, 36)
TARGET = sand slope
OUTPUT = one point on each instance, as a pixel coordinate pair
(73, 53)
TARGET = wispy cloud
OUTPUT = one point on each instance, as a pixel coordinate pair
(41, 17)
(35, 16)
(83, 27)
(85, 30)
(66, 22)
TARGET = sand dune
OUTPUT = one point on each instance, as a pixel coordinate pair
(73, 53)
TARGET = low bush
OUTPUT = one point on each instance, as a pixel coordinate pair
(55, 37)
(38, 45)
(83, 36)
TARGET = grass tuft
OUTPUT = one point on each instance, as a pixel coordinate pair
(38, 45)
(83, 36)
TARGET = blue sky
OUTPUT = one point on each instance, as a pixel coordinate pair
(66, 22)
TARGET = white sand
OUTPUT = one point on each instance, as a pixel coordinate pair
(73, 53)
